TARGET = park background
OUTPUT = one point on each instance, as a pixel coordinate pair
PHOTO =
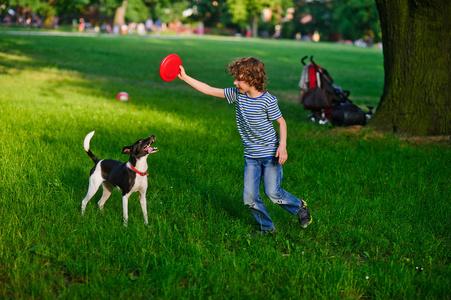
(380, 201)
(347, 21)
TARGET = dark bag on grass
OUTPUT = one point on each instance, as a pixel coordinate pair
(346, 114)
(316, 99)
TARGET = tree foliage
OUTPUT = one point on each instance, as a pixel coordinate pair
(212, 13)
(171, 11)
(247, 13)
(137, 11)
(347, 19)
(338, 19)
(351, 17)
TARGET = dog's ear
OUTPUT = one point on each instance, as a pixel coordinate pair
(127, 150)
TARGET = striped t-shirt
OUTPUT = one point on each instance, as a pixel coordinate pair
(254, 118)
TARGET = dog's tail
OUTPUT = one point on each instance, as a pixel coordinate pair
(86, 142)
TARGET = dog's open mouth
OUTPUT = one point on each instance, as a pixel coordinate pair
(149, 149)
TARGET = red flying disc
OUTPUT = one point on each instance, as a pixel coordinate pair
(170, 67)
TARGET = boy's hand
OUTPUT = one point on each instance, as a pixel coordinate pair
(282, 154)
(182, 75)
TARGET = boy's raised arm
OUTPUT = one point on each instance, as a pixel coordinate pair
(200, 86)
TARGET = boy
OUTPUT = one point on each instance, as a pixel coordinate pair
(264, 154)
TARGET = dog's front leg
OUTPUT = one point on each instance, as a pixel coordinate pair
(125, 208)
(143, 202)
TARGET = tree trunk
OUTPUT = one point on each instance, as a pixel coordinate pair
(255, 26)
(119, 15)
(416, 41)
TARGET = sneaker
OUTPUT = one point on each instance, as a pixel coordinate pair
(304, 215)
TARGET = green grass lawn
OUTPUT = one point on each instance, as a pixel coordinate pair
(381, 206)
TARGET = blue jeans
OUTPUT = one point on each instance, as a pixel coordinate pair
(270, 170)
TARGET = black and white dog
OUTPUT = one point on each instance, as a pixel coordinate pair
(129, 177)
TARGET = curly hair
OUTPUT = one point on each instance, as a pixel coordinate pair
(250, 70)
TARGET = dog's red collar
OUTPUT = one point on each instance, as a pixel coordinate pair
(131, 167)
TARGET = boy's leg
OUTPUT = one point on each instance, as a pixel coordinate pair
(272, 176)
(251, 197)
